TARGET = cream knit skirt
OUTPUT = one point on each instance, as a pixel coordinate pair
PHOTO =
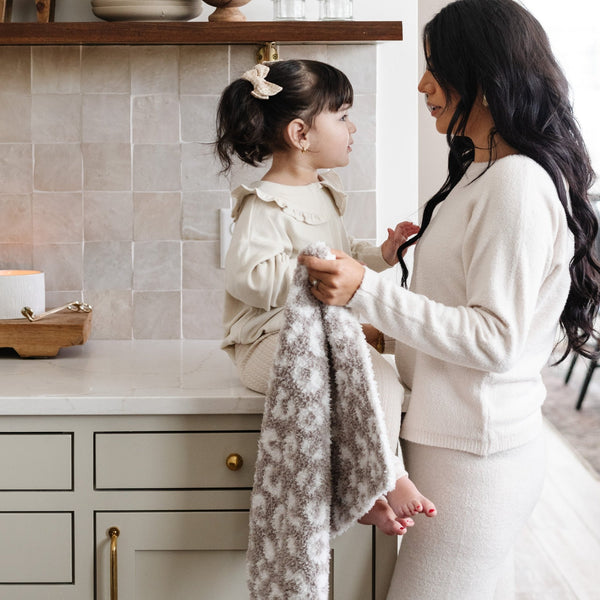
(254, 363)
(483, 502)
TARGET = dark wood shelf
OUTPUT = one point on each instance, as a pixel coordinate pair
(186, 32)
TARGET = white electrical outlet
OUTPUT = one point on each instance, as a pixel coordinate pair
(225, 231)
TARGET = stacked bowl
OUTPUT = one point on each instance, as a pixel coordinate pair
(147, 10)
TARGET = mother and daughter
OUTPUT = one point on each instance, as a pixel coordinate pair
(503, 260)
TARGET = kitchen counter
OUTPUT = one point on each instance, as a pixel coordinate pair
(139, 377)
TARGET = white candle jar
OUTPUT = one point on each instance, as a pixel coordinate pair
(335, 10)
(289, 10)
(18, 289)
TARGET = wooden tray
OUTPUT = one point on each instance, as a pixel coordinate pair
(44, 338)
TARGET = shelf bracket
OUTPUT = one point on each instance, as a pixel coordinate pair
(268, 52)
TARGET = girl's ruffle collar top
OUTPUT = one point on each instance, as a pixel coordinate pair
(302, 202)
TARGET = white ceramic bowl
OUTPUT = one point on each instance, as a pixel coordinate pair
(165, 10)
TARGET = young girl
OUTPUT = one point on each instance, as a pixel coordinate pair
(296, 113)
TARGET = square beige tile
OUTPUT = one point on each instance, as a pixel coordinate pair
(57, 217)
(107, 166)
(363, 114)
(201, 268)
(198, 117)
(155, 119)
(156, 167)
(15, 69)
(157, 216)
(58, 167)
(16, 166)
(15, 219)
(112, 314)
(200, 169)
(15, 117)
(105, 69)
(203, 69)
(360, 218)
(106, 118)
(200, 217)
(358, 62)
(16, 256)
(157, 266)
(62, 265)
(56, 118)
(203, 314)
(56, 69)
(107, 266)
(154, 69)
(108, 216)
(157, 315)
(360, 174)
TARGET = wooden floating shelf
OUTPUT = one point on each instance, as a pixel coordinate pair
(186, 32)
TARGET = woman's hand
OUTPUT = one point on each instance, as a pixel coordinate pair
(336, 280)
(397, 237)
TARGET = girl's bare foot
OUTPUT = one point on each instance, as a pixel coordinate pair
(406, 500)
(384, 518)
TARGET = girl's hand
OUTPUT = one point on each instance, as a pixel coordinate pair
(397, 237)
(337, 280)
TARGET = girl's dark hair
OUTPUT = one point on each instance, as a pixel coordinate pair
(497, 47)
(252, 129)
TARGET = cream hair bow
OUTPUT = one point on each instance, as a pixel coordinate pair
(262, 88)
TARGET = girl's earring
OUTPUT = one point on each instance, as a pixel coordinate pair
(484, 101)
(303, 148)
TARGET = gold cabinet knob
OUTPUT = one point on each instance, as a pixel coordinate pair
(234, 462)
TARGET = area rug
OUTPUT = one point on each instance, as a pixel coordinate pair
(579, 428)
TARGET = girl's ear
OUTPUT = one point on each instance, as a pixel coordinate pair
(295, 133)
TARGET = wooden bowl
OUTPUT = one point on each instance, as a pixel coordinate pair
(226, 10)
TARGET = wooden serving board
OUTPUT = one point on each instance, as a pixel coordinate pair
(44, 338)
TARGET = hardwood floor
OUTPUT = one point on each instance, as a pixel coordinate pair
(558, 554)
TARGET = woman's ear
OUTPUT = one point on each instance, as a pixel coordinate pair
(295, 134)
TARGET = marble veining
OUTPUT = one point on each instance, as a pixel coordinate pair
(126, 377)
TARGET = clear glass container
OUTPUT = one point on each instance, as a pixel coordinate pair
(289, 10)
(335, 10)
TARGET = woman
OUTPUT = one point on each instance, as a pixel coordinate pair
(503, 258)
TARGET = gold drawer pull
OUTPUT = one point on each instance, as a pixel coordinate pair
(234, 462)
(113, 533)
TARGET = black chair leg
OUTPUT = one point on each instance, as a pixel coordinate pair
(571, 367)
(588, 377)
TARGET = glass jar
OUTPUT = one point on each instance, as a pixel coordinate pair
(289, 10)
(335, 10)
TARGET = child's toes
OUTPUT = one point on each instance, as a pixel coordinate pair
(429, 508)
(408, 522)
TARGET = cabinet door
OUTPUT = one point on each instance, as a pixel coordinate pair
(200, 555)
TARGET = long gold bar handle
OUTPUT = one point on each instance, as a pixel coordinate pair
(113, 533)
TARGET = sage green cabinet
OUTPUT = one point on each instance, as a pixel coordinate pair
(177, 487)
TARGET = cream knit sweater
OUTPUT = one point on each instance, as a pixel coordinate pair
(490, 281)
(274, 223)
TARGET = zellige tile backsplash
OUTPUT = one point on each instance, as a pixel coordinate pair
(108, 182)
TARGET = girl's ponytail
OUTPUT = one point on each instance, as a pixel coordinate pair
(240, 126)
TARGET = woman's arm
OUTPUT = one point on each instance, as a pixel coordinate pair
(507, 258)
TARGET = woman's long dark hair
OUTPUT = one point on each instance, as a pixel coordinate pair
(498, 48)
(252, 128)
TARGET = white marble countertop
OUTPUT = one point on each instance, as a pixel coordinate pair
(126, 377)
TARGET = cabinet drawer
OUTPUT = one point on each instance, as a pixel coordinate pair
(36, 461)
(37, 547)
(173, 460)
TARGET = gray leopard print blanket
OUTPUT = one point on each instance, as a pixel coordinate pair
(323, 455)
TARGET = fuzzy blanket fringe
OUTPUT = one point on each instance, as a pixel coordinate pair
(323, 455)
